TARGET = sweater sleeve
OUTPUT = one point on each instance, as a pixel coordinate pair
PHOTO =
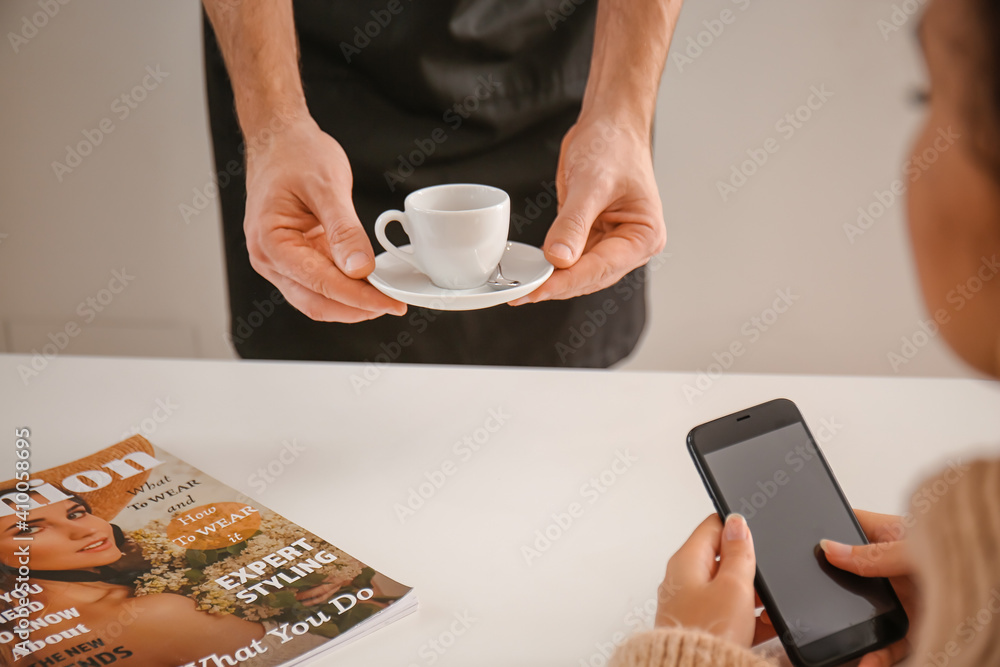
(681, 647)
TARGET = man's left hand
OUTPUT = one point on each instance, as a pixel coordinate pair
(610, 217)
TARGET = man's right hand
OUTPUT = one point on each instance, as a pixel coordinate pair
(303, 234)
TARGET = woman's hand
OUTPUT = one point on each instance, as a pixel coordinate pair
(323, 592)
(317, 594)
(716, 596)
(884, 557)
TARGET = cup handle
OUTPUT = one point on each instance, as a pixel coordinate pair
(380, 224)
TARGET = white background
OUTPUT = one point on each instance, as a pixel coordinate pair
(783, 229)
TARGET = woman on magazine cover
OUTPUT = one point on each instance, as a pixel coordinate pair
(85, 567)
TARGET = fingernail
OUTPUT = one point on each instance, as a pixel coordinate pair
(736, 528)
(832, 548)
(561, 251)
(357, 260)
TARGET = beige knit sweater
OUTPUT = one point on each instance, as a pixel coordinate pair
(955, 545)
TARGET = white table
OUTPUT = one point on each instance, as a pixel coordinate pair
(364, 449)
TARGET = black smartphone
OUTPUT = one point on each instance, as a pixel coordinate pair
(764, 464)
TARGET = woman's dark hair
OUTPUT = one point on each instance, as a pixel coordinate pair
(72, 496)
(984, 83)
(107, 573)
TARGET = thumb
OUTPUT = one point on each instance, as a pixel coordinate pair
(881, 559)
(736, 555)
(349, 244)
(568, 235)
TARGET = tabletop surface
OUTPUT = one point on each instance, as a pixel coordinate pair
(459, 481)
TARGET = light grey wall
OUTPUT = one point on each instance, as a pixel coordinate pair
(785, 227)
(119, 209)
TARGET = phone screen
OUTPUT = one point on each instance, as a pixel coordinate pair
(778, 482)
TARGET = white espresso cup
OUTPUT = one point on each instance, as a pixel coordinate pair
(458, 232)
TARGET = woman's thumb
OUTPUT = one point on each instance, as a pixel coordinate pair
(736, 553)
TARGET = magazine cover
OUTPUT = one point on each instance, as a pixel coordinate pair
(131, 556)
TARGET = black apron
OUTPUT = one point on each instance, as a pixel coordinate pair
(420, 93)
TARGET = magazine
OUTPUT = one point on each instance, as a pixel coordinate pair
(132, 557)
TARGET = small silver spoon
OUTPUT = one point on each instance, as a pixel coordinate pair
(497, 281)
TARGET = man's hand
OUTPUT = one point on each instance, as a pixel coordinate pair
(303, 234)
(610, 218)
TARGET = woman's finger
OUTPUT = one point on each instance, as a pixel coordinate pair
(695, 560)
(880, 527)
(763, 632)
(882, 559)
(888, 656)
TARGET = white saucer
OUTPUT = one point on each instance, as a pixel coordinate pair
(394, 277)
